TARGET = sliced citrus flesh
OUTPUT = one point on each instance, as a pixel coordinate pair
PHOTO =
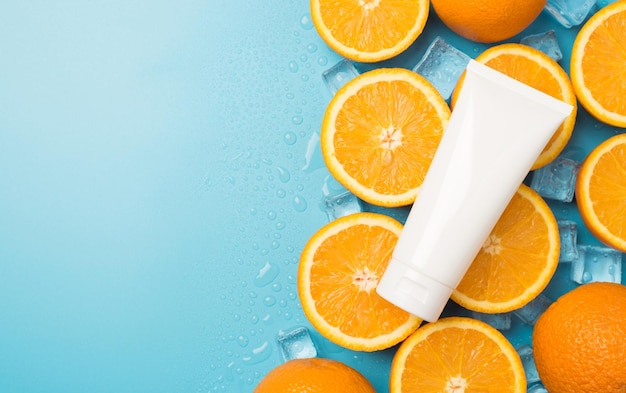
(369, 30)
(601, 192)
(516, 261)
(380, 133)
(457, 354)
(598, 64)
(535, 69)
(338, 273)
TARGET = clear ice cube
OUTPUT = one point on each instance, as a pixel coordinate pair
(568, 231)
(339, 74)
(528, 362)
(536, 388)
(545, 42)
(570, 12)
(556, 180)
(442, 65)
(296, 344)
(596, 263)
(531, 311)
(499, 321)
(343, 204)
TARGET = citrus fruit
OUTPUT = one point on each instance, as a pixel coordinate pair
(314, 375)
(369, 30)
(380, 132)
(579, 341)
(456, 354)
(339, 270)
(598, 64)
(517, 260)
(601, 192)
(536, 69)
(487, 21)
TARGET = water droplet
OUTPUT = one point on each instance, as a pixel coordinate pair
(281, 193)
(299, 203)
(266, 274)
(271, 215)
(587, 277)
(311, 48)
(283, 174)
(290, 96)
(280, 225)
(269, 301)
(258, 354)
(290, 138)
(305, 22)
(297, 120)
(243, 341)
(322, 60)
(304, 58)
(293, 66)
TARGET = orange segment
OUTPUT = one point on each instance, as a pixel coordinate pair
(369, 30)
(339, 270)
(601, 192)
(517, 260)
(457, 354)
(598, 64)
(380, 133)
(538, 70)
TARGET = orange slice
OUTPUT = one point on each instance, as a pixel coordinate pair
(457, 354)
(380, 132)
(598, 64)
(517, 260)
(601, 192)
(339, 270)
(538, 70)
(369, 30)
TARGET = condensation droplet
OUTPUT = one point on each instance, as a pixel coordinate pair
(243, 341)
(322, 60)
(299, 203)
(269, 301)
(283, 174)
(259, 354)
(305, 22)
(271, 215)
(297, 120)
(311, 48)
(290, 138)
(293, 66)
(266, 274)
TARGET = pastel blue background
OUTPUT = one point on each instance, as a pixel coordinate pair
(159, 175)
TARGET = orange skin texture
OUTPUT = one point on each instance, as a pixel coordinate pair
(487, 21)
(314, 375)
(579, 343)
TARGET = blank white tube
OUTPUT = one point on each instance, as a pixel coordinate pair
(497, 130)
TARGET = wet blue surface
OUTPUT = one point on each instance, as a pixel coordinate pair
(159, 175)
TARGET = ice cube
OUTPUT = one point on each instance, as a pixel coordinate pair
(545, 42)
(343, 204)
(339, 74)
(296, 344)
(442, 65)
(537, 388)
(596, 263)
(568, 231)
(569, 12)
(499, 321)
(528, 362)
(556, 180)
(531, 311)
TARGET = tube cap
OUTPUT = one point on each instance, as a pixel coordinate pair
(413, 291)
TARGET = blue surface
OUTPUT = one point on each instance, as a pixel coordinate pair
(159, 175)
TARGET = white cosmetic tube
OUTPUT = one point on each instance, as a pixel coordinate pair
(497, 129)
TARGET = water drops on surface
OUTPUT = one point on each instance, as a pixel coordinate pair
(266, 274)
(290, 138)
(305, 22)
(299, 203)
(258, 354)
(293, 66)
(297, 120)
(311, 48)
(283, 174)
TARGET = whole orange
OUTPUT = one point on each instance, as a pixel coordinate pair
(315, 375)
(487, 20)
(579, 342)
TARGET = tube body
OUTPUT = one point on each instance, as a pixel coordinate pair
(497, 130)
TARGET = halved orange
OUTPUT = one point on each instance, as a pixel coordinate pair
(536, 69)
(369, 30)
(380, 132)
(517, 260)
(598, 64)
(339, 270)
(601, 192)
(455, 355)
